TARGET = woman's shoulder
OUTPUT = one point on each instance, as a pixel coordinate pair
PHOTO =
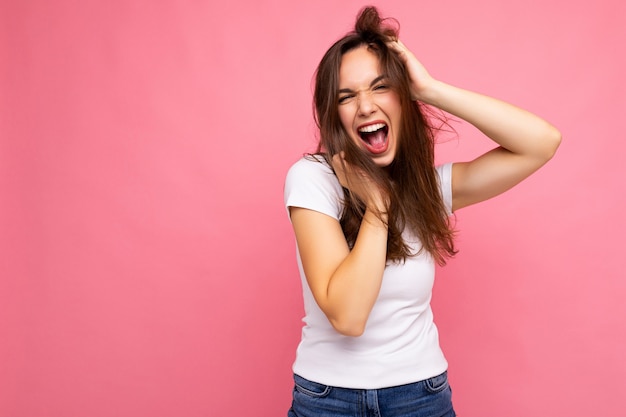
(311, 183)
(311, 167)
(311, 163)
(444, 171)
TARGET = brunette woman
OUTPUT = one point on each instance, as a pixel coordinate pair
(370, 212)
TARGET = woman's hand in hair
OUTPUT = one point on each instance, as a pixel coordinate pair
(359, 184)
(525, 141)
(421, 80)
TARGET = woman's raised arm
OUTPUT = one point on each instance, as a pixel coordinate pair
(526, 141)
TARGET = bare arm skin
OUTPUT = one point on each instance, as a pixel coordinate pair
(526, 141)
(344, 282)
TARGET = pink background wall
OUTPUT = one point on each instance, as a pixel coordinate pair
(147, 265)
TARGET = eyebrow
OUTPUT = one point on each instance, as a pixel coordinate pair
(374, 82)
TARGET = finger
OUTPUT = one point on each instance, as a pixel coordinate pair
(399, 48)
(339, 165)
(339, 160)
(396, 44)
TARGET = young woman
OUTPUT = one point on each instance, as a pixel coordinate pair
(370, 213)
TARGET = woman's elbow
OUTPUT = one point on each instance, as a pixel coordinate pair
(352, 328)
(552, 141)
(545, 145)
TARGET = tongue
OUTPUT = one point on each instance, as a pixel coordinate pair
(376, 140)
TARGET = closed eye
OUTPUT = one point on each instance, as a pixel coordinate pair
(345, 98)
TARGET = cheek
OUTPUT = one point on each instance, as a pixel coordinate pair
(394, 112)
(345, 119)
(392, 102)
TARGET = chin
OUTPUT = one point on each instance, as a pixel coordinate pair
(383, 161)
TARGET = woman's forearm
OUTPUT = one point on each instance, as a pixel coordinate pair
(354, 286)
(511, 127)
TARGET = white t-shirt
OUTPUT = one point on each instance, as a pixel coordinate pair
(400, 344)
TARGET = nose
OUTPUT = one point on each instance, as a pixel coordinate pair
(366, 105)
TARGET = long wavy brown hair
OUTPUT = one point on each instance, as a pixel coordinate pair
(410, 180)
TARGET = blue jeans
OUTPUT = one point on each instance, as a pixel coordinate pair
(429, 398)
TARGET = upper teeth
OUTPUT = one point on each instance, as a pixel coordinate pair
(371, 128)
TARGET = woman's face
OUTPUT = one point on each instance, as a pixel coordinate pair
(369, 109)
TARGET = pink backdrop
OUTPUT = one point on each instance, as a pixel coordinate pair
(147, 265)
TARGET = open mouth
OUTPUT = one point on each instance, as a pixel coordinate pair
(374, 136)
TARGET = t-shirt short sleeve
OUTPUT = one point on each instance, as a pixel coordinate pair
(445, 183)
(311, 184)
